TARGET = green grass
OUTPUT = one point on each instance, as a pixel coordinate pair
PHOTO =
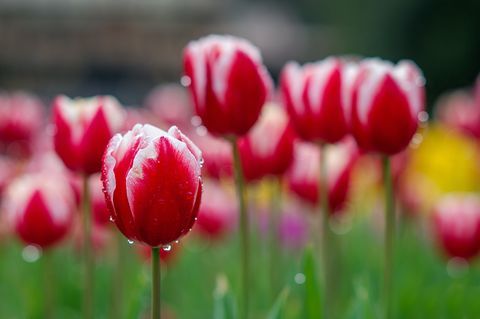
(423, 287)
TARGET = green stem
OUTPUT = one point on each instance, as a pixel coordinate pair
(116, 300)
(49, 285)
(275, 207)
(244, 229)
(326, 237)
(389, 239)
(87, 251)
(156, 283)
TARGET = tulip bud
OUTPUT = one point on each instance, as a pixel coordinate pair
(217, 154)
(83, 128)
(459, 111)
(218, 213)
(228, 83)
(457, 225)
(21, 117)
(386, 100)
(314, 100)
(152, 184)
(268, 148)
(40, 208)
(303, 175)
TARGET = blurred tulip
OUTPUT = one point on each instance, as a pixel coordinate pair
(152, 184)
(457, 225)
(268, 148)
(459, 111)
(171, 105)
(217, 154)
(100, 237)
(293, 228)
(40, 208)
(21, 117)
(228, 83)
(83, 128)
(135, 115)
(217, 215)
(314, 99)
(386, 100)
(8, 171)
(303, 174)
(100, 213)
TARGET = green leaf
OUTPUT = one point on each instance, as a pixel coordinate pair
(278, 307)
(224, 302)
(312, 296)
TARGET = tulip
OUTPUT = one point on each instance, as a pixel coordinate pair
(457, 225)
(217, 154)
(268, 148)
(293, 228)
(314, 98)
(302, 175)
(171, 105)
(217, 215)
(459, 111)
(386, 101)
(40, 208)
(21, 117)
(228, 83)
(152, 183)
(229, 86)
(83, 128)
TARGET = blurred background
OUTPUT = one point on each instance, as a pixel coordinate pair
(124, 48)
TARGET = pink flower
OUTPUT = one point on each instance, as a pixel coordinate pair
(217, 154)
(314, 98)
(457, 225)
(268, 148)
(386, 100)
(40, 207)
(218, 212)
(229, 83)
(83, 128)
(152, 184)
(303, 175)
(21, 118)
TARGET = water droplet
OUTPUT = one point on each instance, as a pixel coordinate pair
(196, 120)
(112, 219)
(130, 242)
(201, 161)
(196, 218)
(423, 116)
(185, 81)
(31, 253)
(299, 278)
(201, 130)
(177, 241)
(167, 247)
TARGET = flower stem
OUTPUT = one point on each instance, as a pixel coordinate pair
(326, 237)
(87, 251)
(156, 283)
(49, 285)
(244, 229)
(116, 300)
(275, 206)
(389, 239)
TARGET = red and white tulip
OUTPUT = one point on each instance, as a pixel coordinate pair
(152, 183)
(228, 82)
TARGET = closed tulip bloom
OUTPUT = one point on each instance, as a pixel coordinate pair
(303, 174)
(40, 208)
(268, 148)
(228, 83)
(217, 153)
(313, 96)
(152, 184)
(83, 128)
(21, 118)
(386, 100)
(218, 213)
(457, 225)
